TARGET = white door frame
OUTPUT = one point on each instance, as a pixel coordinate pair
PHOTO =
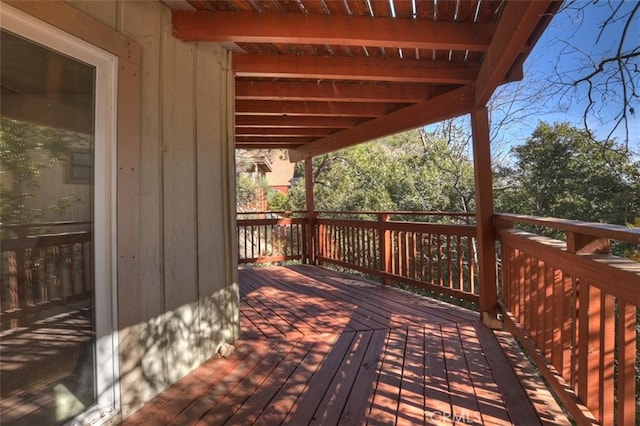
(105, 227)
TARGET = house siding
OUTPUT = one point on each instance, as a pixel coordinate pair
(177, 278)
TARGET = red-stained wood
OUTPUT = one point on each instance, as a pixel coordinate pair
(437, 391)
(617, 276)
(510, 36)
(607, 358)
(310, 109)
(384, 404)
(626, 340)
(458, 375)
(491, 405)
(557, 320)
(562, 389)
(571, 299)
(334, 91)
(329, 29)
(310, 242)
(435, 109)
(406, 367)
(484, 210)
(351, 68)
(269, 122)
(411, 405)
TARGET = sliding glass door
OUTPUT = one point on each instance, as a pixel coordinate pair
(58, 360)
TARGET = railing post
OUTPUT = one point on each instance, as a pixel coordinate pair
(311, 238)
(311, 214)
(484, 217)
(385, 246)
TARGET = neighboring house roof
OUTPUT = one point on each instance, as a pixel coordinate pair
(282, 170)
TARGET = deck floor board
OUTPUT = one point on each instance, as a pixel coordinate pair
(324, 348)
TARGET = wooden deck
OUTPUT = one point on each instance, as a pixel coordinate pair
(320, 347)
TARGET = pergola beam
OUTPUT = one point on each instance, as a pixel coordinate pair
(335, 91)
(353, 68)
(511, 39)
(266, 121)
(321, 109)
(452, 104)
(300, 28)
(292, 132)
(286, 140)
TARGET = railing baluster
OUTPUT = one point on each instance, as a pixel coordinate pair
(626, 340)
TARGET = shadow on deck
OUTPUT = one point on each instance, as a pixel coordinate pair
(320, 347)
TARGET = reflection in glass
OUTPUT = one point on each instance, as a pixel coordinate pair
(47, 336)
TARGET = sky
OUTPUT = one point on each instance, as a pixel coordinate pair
(569, 45)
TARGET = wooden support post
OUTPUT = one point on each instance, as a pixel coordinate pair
(385, 247)
(311, 207)
(484, 217)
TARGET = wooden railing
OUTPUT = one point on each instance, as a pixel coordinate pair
(437, 257)
(574, 308)
(39, 272)
(271, 237)
(570, 302)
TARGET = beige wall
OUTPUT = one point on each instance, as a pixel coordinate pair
(177, 291)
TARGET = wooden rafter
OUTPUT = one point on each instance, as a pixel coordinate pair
(292, 132)
(298, 28)
(326, 109)
(317, 76)
(274, 139)
(334, 91)
(430, 111)
(352, 68)
(265, 121)
(525, 22)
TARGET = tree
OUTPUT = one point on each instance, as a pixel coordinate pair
(26, 149)
(276, 201)
(606, 73)
(415, 171)
(561, 171)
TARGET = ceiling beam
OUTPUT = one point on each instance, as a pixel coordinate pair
(282, 140)
(292, 132)
(252, 145)
(520, 19)
(301, 28)
(334, 91)
(326, 109)
(452, 104)
(265, 121)
(353, 68)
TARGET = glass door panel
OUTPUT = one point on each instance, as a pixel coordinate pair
(47, 183)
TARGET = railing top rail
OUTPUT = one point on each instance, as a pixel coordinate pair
(615, 232)
(403, 213)
(279, 212)
(44, 224)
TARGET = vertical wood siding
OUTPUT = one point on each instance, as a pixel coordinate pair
(177, 290)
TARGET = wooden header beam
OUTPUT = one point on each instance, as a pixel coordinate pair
(324, 109)
(353, 68)
(266, 121)
(301, 28)
(520, 21)
(335, 91)
(451, 104)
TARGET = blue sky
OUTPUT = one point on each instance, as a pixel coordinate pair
(567, 46)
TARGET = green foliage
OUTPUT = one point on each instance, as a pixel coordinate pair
(277, 201)
(25, 150)
(410, 171)
(19, 140)
(561, 172)
(246, 192)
